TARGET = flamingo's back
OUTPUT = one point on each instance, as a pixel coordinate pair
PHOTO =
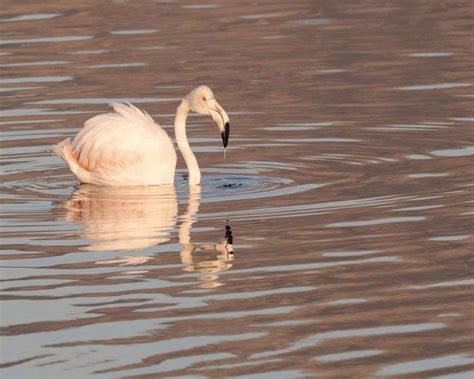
(125, 147)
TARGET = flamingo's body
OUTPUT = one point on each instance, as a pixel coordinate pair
(127, 147)
(122, 148)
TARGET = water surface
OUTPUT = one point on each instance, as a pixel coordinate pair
(347, 191)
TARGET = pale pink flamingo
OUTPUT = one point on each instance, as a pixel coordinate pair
(128, 148)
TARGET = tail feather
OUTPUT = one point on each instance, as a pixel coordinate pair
(64, 150)
(59, 149)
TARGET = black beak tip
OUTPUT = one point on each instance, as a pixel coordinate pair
(225, 134)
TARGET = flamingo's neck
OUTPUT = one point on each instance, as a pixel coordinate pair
(183, 145)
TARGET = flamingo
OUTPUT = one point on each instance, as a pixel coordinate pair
(128, 148)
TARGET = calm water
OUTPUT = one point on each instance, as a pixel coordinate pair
(347, 189)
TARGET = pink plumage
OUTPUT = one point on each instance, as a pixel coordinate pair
(126, 147)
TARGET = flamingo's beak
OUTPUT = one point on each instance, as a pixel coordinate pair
(225, 134)
(221, 118)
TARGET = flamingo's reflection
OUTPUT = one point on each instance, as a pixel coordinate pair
(133, 218)
(207, 265)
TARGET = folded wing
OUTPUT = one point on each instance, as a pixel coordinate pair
(124, 139)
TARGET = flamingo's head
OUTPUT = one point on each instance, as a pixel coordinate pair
(201, 100)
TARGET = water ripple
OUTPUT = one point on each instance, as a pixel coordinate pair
(352, 333)
(461, 152)
(102, 100)
(45, 40)
(40, 63)
(426, 365)
(35, 79)
(388, 220)
(338, 357)
(134, 31)
(31, 17)
(424, 87)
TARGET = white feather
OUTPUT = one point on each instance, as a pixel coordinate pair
(122, 148)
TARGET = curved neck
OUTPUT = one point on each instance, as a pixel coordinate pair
(183, 145)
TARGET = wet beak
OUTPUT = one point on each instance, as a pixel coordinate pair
(225, 134)
(220, 117)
